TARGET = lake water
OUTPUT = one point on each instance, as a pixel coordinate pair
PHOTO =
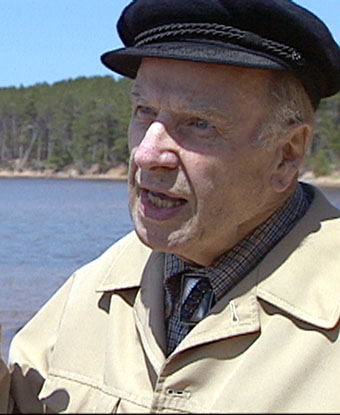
(51, 227)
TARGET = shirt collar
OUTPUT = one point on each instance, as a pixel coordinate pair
(231, 267)
(298, 267)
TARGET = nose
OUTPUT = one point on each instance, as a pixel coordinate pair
(157, 149)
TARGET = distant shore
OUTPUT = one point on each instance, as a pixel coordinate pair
(115, 173)
(321, 181)
(120, 173)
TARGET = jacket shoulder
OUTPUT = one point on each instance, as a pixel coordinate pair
(122, 261)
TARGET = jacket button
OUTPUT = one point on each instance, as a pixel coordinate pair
(178, 393)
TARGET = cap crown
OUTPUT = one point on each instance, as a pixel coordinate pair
(282, 24)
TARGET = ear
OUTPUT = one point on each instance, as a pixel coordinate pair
(291, 153)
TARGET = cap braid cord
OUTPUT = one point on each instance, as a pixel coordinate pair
(218, 31)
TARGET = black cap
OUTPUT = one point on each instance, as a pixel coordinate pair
(267, 34)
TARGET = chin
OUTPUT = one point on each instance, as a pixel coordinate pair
(152, 240)
(161, 241)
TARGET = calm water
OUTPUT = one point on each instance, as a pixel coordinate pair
(51, 227)
(48, 229)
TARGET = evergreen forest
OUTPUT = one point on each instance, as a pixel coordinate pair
(84, 121)
(76, 123)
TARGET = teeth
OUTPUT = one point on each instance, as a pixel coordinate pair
(162, 203)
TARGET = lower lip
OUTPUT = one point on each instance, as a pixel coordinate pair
(150, 211)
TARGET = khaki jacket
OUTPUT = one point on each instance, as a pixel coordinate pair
(271, 345)
(4, 385)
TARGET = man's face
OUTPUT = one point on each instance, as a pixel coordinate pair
(197, 183)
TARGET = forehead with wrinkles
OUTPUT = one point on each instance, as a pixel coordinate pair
(200, 87)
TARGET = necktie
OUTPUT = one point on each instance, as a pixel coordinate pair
(197, 297)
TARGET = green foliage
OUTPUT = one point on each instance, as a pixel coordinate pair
(80, 122)
(120, 149)
(324, 152)
(84, 121)
(59, 158)
(321, 163)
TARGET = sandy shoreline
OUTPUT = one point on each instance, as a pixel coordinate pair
(120, 173)
(321, 181)
(117, 173)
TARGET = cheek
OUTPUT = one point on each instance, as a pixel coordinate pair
(222, 184)
(135, 135)
(132, 138)
(209, 182)
(131, 144)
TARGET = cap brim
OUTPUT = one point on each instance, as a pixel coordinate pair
(126, 61)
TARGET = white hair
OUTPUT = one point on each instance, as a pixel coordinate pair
(288, 105)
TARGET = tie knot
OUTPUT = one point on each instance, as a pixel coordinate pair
(197, 297)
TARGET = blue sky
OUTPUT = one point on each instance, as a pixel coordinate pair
(53, 40)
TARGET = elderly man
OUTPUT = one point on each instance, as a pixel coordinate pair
(226, 298)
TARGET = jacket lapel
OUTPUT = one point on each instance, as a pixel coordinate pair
(149, 310)
(301, 275)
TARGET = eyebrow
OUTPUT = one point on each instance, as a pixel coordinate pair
(206, 110)
(136, 93)
(190, 105)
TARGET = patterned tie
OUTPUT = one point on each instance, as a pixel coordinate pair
(197, 298)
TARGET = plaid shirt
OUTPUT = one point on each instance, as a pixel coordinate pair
(230, 268)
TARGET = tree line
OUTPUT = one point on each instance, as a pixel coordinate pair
(84, 121)
(73, 122)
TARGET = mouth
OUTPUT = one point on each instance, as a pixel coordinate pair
(162, 201)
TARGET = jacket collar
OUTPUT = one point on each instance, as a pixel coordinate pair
(300, 275)
(127, 260)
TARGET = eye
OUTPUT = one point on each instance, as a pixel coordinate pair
(198, 127)
(145, 113)
(202, 124)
